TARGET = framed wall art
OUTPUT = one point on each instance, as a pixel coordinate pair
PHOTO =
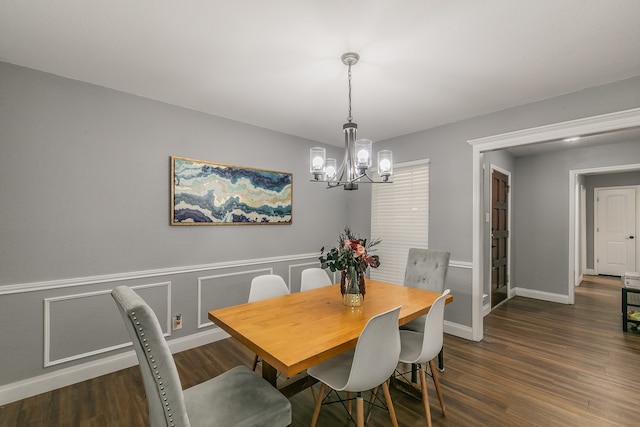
(207, 193)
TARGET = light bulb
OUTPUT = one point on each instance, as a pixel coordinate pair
(317, 163)
(385, 165)
(363, 156)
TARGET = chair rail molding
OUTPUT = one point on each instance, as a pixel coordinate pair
(117, 277)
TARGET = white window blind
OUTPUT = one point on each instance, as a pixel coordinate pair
(400, 217)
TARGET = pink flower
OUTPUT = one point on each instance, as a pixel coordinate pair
(359, 250)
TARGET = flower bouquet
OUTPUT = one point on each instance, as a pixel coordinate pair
(351, 257)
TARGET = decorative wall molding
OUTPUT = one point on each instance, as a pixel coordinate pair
(60, 376)
(118, 277)
(77, 373)
(460, 264)
(206, 322)
(47, 324)
(301, 265)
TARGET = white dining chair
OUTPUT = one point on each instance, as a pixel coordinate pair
(313, 278)
(420, 348)
(267, 286)
(238, 397)
(264, 287)
(366, 367)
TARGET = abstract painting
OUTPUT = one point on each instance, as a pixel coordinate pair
(206, 193)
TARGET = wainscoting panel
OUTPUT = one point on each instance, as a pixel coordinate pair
(295, 274)
(74, 331)
(91, 316)
(224, 290)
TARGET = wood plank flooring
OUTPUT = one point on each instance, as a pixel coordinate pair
(540, 364)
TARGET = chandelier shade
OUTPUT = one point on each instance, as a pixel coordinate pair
(357, 160)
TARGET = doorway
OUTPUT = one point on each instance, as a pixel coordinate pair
(500, 220)
(615, 213)
(609, 122)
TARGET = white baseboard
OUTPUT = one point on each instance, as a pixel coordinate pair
(544, 296)
(75, 374)
(486, 309)
(458, 330)
(590, 272)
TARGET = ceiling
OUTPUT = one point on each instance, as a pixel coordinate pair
(276, 64)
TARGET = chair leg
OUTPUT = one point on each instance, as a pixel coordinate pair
(387, 396)
(374, 392)
(255, 362)
(360, 410)
(349, 402)
(425, 395)
(437, 384)
(316, 411)
(313, 393)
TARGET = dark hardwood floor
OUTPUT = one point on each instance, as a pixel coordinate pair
(540, 364)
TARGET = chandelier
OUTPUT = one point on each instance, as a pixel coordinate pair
(357, 154)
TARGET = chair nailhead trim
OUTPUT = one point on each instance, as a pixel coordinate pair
(159, 382)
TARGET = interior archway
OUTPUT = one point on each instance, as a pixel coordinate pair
(587, 126)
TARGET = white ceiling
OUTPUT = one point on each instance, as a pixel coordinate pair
(276, 63)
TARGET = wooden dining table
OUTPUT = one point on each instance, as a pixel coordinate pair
(294, 332)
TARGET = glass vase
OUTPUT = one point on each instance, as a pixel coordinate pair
(352, 296)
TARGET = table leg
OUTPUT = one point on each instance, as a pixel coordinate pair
(269, 373)
(288, 389)
(441, 360)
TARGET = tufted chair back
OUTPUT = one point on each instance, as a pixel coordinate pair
(159, 374)
(426, 269)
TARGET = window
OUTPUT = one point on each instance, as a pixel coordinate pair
(400, 217)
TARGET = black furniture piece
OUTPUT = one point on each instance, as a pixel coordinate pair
(630, 303)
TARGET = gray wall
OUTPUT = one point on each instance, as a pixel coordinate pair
(85, 186)
(541, 211)
(85, 182)
(451, 186)
(591, 182)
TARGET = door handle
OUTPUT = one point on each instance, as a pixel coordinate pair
(631, 237)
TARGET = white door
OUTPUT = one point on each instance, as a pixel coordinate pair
(615, 230)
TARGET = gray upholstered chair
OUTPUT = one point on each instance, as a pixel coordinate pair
(426, 269)
(238, 397)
